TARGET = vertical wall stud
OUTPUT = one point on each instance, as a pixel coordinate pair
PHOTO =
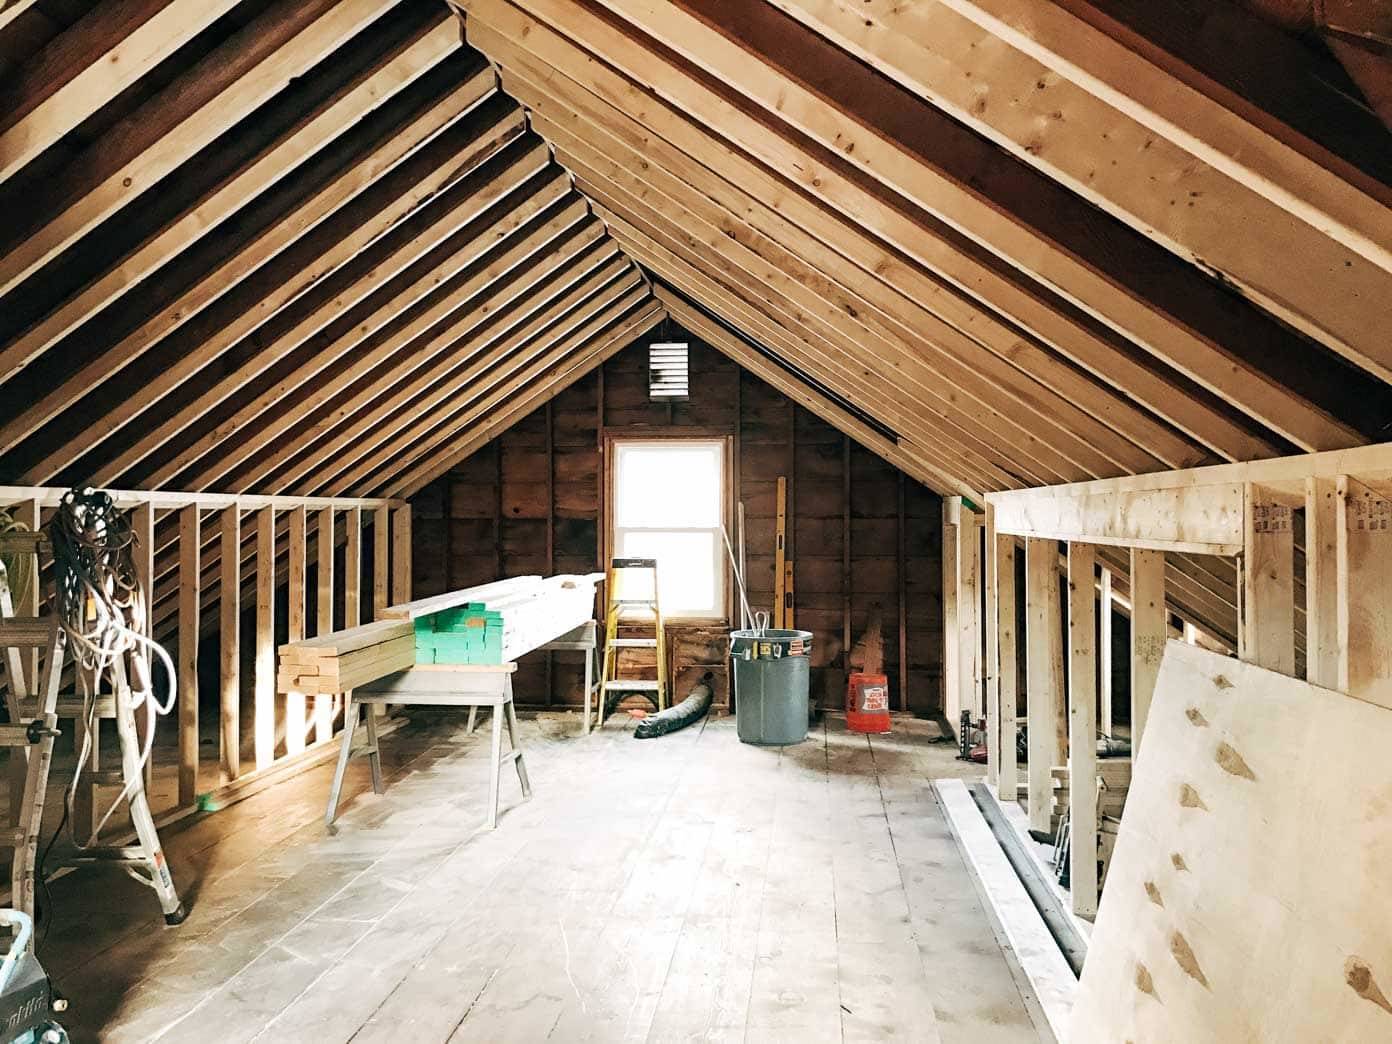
(1104, 651)
(324, 612)
(230, 640)
(991, 667)
(1321, 582)
(952, 664)
(1043, 697)
(264, 707)
(190, 604)
(1082, 728)
(1266, 629)
(1007, 772)
(401, 554)
(1149, 631)
(296, 590)
(1364, 593)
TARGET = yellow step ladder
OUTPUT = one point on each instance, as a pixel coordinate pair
(631, 593)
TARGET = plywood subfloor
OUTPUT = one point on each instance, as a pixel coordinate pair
(686, 888)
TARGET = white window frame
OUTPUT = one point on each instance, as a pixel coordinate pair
(617, 531)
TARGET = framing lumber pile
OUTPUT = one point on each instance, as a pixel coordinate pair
(1115, 777)
(535, 610)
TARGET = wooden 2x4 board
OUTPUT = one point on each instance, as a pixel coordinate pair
(1248, 896)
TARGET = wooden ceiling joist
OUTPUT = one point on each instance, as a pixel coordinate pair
(960, 361)
(971, 463)
(551, 59)
(918, 363)
(1077, 398)
(397, 72)
(423, 402)
(387, 183)
(1200, 181)
(347, 391)
(341, 294)
(183, 119)
(905, 390)
(44, 107)
(877, 150)
(811, 398)
(541, 387)
(321, 247)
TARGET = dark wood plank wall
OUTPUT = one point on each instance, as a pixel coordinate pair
(861, 534)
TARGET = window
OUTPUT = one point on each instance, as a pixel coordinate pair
(669, 499)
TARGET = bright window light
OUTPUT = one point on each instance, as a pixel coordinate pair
(668, 501)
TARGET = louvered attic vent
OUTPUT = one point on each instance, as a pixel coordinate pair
(667, 372)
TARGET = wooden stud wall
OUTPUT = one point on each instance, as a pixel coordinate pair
(530, 501)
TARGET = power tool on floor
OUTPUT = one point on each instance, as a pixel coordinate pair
(27, 1001)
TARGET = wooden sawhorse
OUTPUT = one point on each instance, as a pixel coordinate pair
(436, 685)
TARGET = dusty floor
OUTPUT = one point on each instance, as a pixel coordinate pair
(686, 888)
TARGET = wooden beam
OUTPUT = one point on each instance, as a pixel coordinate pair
(101, 187)
(969, 612)
(264, 723)
(1007, 773)
(1267, 633)
(591, 355)
(381, 561)
(803, 393)
(1044, 665)
(876, 150)
(907, 396)
(128, 59)
(229, 642)
(580, 123)
(992, 389)
(957, 451)
(1082, 728)
(336, 244)
(1364, 532)
(296, 706)
(313, 134)
(1203, 520)
(411, 437)
(350, 286)
(951, 612)
(1321, 582)
(991, 624)
(439, 323)
(780, 551)
(1071, 126)
(324, 612)
(590, 87)
(1149, 632)
(1106, 715)
(401, 555)
(627, 310)
(190, 587)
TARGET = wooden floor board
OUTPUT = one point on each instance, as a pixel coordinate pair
(690, 888)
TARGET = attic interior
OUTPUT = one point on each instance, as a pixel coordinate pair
(826, 437)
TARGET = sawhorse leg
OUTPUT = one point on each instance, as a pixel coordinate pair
(512, 728)
(495, 766)
(345, 751)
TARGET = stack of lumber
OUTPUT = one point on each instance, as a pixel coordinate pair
(1114, 775)
(343, 660)
(533, 610)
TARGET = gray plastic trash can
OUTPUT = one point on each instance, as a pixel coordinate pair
(771, 683)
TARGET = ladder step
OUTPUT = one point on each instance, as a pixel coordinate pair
(28, 631)
(108, 778)
(634, 643)
(631, 685)
(648, 603)
(512, 755)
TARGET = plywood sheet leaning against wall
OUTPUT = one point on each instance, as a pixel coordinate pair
(1247, 897)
